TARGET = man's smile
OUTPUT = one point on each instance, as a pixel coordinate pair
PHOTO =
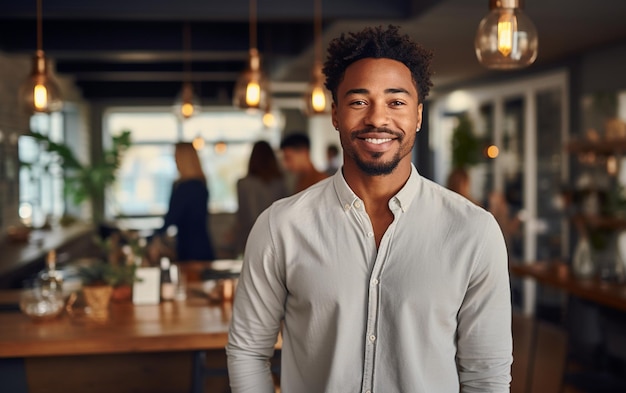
(377, 141)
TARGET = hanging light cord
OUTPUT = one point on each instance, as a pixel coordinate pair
(253, 25)
(318, 30)
(39, 28)
(187, 51)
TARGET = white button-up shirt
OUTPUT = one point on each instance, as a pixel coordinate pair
(428, 311)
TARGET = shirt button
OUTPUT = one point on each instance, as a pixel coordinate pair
(372, 338)
(374, 282)
(346, 207)
(357, 204)
(370, 234)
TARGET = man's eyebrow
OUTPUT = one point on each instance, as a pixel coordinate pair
(393, 90)
(397, 90)
(356, 91)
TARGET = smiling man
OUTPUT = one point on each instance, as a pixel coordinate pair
(381, 280)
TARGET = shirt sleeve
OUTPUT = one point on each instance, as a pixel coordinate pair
(484, 339)
(257, 313)
(243, 216)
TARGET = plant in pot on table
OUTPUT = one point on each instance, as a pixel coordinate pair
(123, 253)
(100, 281)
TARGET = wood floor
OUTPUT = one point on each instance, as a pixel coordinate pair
(539, 357)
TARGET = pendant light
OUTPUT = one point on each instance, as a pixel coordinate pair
(187, 103)
(251, 90)
(268, 119)
(39, 93)
(317, 96)
(506, 38)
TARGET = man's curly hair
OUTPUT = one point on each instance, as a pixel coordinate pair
(377, 43)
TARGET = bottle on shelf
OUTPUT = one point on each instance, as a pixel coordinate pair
(51, 280)
(168, 289)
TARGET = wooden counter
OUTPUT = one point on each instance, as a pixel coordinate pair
(173, 346)
(170, 326)
(20, 260)
(557, 275)
(148, 348)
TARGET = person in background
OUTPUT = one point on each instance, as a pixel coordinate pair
(459, 182)
(379, 279)
(332, 159)
(296, 148)
(188, 208)
(263, 184)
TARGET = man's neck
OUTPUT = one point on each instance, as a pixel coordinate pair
(376, 189)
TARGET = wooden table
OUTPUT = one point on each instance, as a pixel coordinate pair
(557, 275)
(170, 326)
(193, 325)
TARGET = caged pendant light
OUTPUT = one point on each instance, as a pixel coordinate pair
(506, 38)
(251, 88)
(187, 103)
(39, 93)
(317, 96)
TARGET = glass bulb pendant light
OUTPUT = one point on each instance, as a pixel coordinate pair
(187, 103)
(251, 88)
(506, 38)
(39, 93)
(317, 97)
(268, 119)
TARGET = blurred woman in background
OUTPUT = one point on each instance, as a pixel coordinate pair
(188, 208)
(263, 184)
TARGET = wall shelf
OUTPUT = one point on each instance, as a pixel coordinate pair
(600, 147)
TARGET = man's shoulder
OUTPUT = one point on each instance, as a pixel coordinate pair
(314, 197)
(451, 202)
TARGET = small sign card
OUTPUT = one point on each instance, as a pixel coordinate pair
(147, 289)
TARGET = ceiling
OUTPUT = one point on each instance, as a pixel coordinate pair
(134, 49)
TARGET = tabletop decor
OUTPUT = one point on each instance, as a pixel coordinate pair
(41, 306)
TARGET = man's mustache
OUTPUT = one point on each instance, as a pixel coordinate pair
(378, 130)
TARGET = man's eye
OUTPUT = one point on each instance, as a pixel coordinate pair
(397, 103)
(357, 103)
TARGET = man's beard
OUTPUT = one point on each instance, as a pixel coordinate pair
(377, 168)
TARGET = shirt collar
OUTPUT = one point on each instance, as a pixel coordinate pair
(403, 198)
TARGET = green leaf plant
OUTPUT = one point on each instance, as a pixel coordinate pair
(86, 181)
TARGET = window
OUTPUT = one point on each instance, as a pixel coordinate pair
(225, 137)
(41, 175)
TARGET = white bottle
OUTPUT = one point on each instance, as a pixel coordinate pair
(168, 289)
(51, 280)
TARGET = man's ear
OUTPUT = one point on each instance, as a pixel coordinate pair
(420, 108)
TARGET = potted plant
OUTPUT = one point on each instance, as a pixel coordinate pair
(106, 282)
(466, 147)
(117, 267)
(97, 279)
(87, 182)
